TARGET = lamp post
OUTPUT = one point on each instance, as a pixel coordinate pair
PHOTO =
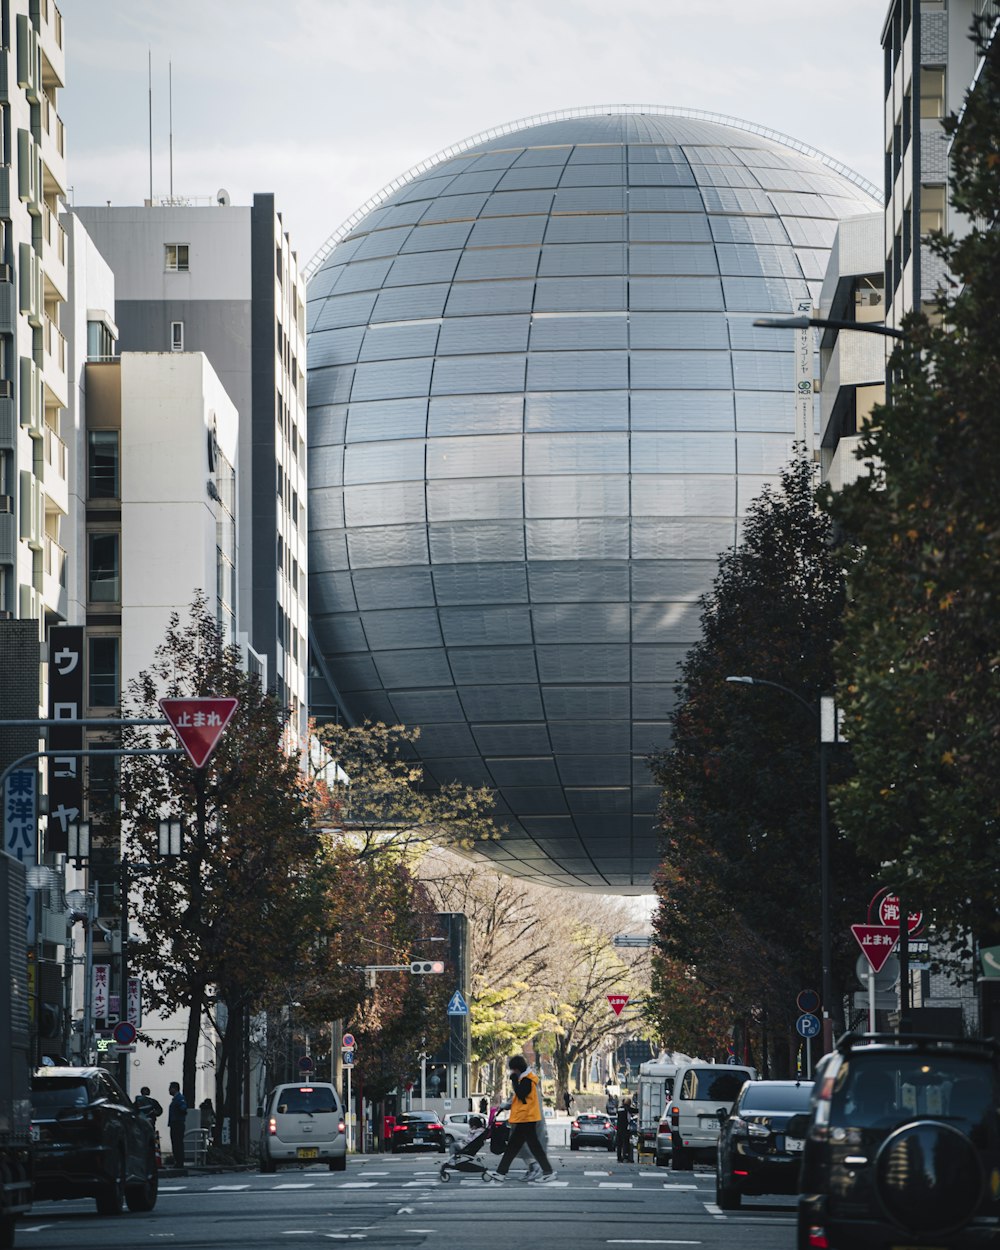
(824, 717)
(828, 323)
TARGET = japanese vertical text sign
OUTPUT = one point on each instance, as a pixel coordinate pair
(804, 431)
(199, 724)
(65, 703)
(20, 831)
(101, 997)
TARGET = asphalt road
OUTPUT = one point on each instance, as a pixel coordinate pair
(392, 1200)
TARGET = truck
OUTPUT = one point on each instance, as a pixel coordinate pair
(656, 1083)
(15, 1052)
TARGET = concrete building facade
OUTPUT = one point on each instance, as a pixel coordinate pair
(223, 280)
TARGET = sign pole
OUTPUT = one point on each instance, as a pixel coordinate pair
(809, 1057)
(871, 999)
(350, 1113)
(423, 1077)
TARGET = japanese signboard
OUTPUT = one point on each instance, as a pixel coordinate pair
(804, 419)
(888, 914)
(133, 1002)
(65, 703)
(100, 1000)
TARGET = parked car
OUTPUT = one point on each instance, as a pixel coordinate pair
(701, 1091)
(459, 1126)
(761, 1141)
(90, 1141)
(418, 1130)
(591, 1130)
(903, 1145)
(302, 1123)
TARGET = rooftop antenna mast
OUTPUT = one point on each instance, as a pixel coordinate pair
(170, 105)
(150, 77)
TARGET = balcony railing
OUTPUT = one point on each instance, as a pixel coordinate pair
(55, 560)
(56, 455)
(54, 234)
(55, 344)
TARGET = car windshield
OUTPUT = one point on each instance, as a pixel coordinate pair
(761, 1097)
(305, 1099)
(875, 1091)
(418, 1117)
(710, 1085)
(54, 1094)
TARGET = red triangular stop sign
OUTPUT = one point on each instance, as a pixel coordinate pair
(199, 724)
(876, 942)
(617, 1002)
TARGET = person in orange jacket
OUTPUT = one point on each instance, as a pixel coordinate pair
(525, 1117)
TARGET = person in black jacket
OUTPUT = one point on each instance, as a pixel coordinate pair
(623, 1137)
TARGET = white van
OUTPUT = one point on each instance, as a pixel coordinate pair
(303, 1123)
(701, 1091)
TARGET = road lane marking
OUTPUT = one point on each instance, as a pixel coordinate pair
(292, 1185)
(714, 1211)
(648, 1241)
(597, 1173)
(233, 1188)
(358, 1185)
(164, 1189)
(615, 1185)
(694, 1187)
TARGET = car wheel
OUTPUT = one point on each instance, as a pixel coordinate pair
(7, 1232)
(449, 1140)
(574, 1145)
(267, 1166)
(661, 1160)
(442, 1150)
(727, 1197)
(681, 1160)
(142, 1197)
(112, 1193)
(339, 1164)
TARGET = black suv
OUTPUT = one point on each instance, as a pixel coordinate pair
(904, 1146)
(90, 1141)
(761, 1141)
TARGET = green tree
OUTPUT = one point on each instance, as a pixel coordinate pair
(919, 665)
(738, 911)
(224, 924)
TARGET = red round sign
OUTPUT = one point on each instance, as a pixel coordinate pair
(888, 914)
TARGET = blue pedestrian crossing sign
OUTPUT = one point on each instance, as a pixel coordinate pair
(457, 1006)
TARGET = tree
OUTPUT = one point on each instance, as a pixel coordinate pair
(225, 923)
(378, 792)
(739, 884)
(919, 664)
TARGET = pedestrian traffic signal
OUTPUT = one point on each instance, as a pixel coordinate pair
(427, 965)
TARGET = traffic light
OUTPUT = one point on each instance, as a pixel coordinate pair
(427, 965)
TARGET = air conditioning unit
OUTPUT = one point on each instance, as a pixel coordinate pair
(6, 614)
(6, 503)
(6, 273)
(6, 388)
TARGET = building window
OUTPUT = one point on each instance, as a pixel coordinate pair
(932, 206)
(932, 93)
(105, 568)
(102, 671)
(100, 341)
(102, 464)
(177, 336)
(175, 257)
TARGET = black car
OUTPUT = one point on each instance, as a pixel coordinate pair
(761, 1141)
(418, 1130)
(592, 1130)
(904, 1146)
(90, 1141)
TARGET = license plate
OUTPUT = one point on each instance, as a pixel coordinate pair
(418, 1141)
(36, 1133)
(794, 1144)
(307, 1152)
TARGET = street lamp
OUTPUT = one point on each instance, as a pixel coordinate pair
(828, 323)
(825, 718)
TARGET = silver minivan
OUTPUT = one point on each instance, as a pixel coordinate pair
(303, 1123)
(701, 1091)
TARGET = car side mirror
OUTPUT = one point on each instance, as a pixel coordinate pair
(798, 1125)
(722, 1115)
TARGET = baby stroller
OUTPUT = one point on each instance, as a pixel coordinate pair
(463, 1157)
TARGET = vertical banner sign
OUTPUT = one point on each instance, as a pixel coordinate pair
(133, 1002)
(100, 999)
(804, 417)
(20, 831)
(65, 703)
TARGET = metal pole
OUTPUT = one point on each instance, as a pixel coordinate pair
(904, 963)
(350, 1112)
(423, 1077)
(87, 1033)
(871, 999)
(40, 755)
(123, 1071)
(809, 1057)
(826, 940)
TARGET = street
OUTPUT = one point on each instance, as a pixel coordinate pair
(400, 1200)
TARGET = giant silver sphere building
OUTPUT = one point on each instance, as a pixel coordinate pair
(537, 410)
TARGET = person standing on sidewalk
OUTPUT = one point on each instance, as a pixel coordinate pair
(623, 1137)
(525, 1118)
(176, 1119)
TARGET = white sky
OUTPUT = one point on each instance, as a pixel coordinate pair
(323, 102)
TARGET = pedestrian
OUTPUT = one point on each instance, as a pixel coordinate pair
(568, 1101)
(525, 1120)
(484, 1106)
(611, 1106)
(207, 1116)
(623, 1136)
(176, 1119)
(147, 1106)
